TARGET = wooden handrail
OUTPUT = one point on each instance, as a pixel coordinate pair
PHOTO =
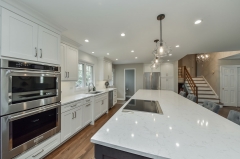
(188, 78)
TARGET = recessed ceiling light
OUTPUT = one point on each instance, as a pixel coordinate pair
(198, 21)
(116, 59)
(170, 54)
(135, 57)
(93, 52)
(167, 60)
(107, 53)
(122, 34)
(177, 45)
(86, 40)
(132, 51)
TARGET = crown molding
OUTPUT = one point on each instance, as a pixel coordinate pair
(70, 42)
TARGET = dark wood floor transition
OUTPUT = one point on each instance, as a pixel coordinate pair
(79, 146)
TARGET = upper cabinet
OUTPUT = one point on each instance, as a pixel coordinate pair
(105, 69)
(69, 63)
(24, 39)
(166, 70)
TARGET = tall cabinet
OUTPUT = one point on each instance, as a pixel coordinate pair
(167, 76)
(69, 63)
(105, 69)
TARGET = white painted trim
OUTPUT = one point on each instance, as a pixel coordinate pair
(27, 12)
(120, 99)
(210, 87)
(124, 81)
(221, 84)
(70, 42)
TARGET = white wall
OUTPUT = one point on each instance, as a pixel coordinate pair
(68, 87)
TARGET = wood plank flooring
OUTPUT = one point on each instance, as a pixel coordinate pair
(79, 146)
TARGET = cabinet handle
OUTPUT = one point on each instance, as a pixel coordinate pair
(38, 153)
(41, 53)
(74, 105)
(72, 115)
(88, 105)
(66, 75)
(35, 52)
(75, 114)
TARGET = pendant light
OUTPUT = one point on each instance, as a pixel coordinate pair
(163, 49)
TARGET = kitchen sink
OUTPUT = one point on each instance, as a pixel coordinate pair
(96, 92)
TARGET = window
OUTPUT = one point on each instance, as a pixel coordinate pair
(85, 75)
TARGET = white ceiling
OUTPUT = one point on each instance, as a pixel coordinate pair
(102, 22)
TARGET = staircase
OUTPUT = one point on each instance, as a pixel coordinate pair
(205, 92)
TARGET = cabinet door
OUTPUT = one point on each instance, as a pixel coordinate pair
(97, 109)
(104, 106)
(49, 46)
(109, 64)
(63, 59)
(77, 121)
(166, 70)
(105, 71)
(66, 125)
(87, 114)
(170, 84)
(19, 37)
(71, 63)
(164, 84)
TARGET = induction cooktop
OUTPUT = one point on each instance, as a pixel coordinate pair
(143, 105)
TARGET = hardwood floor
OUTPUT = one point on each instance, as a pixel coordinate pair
(225, 110)
(79, 146)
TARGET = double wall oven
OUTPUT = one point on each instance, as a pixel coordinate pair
(30, 107)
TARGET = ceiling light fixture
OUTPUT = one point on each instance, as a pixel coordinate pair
(107, 53)
(116, 59)
(122, 34)
(93, 52)
(132, 51)
(136, 57)
(201, 58)
(167, 60)
(177, 45)
(198, 21)
(86, 40)
(170, 54)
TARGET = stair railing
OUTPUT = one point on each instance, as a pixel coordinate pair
(188, 78)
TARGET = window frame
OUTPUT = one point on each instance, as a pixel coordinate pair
(84, 87)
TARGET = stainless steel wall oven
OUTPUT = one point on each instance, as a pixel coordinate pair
(30, 107)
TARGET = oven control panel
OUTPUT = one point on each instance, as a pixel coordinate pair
(25, 65)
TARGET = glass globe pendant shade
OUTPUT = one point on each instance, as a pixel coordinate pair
(163, 50)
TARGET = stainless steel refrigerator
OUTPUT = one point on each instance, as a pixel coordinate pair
(151, 80)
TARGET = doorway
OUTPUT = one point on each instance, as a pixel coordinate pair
(129, 83)
(230, 85)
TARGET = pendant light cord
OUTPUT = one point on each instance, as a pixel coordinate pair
(161, 32)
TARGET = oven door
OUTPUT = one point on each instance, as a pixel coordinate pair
(24, 130)
(22, 90)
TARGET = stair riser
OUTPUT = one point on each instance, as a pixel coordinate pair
(197, 79)
(212, 100)
(199, 85)
(203, 82)
(207, 96)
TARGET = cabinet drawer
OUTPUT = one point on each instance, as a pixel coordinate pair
(42, 149)
(71, 106)
(86, 101)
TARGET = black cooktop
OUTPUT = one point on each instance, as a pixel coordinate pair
(143, 105)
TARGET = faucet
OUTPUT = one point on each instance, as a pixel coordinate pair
(89, 88)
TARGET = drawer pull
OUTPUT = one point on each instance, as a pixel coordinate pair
(74, 105)
(38, 153)
(88, 105)
(72, 115)
(88, 100)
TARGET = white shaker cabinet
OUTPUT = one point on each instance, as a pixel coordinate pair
(166, 70)
(77, 120)
(19, 37)
(69, 63)
(87, 114)
(66, 125)
(49, 46)
(167, 83)
(26, 40)
(167, 76)
(105, 69)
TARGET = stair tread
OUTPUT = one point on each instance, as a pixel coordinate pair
(208, 98)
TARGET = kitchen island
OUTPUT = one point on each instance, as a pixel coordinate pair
(185, 130)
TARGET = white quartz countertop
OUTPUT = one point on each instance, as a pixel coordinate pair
(186, 130)
(76, 97)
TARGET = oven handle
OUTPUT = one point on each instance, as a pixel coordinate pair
(31, 112)
(32, 72)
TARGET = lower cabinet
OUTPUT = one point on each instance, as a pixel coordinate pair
(42, 149)
(100, 105)
(114, 96)
(86, 114)
(167, 83)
